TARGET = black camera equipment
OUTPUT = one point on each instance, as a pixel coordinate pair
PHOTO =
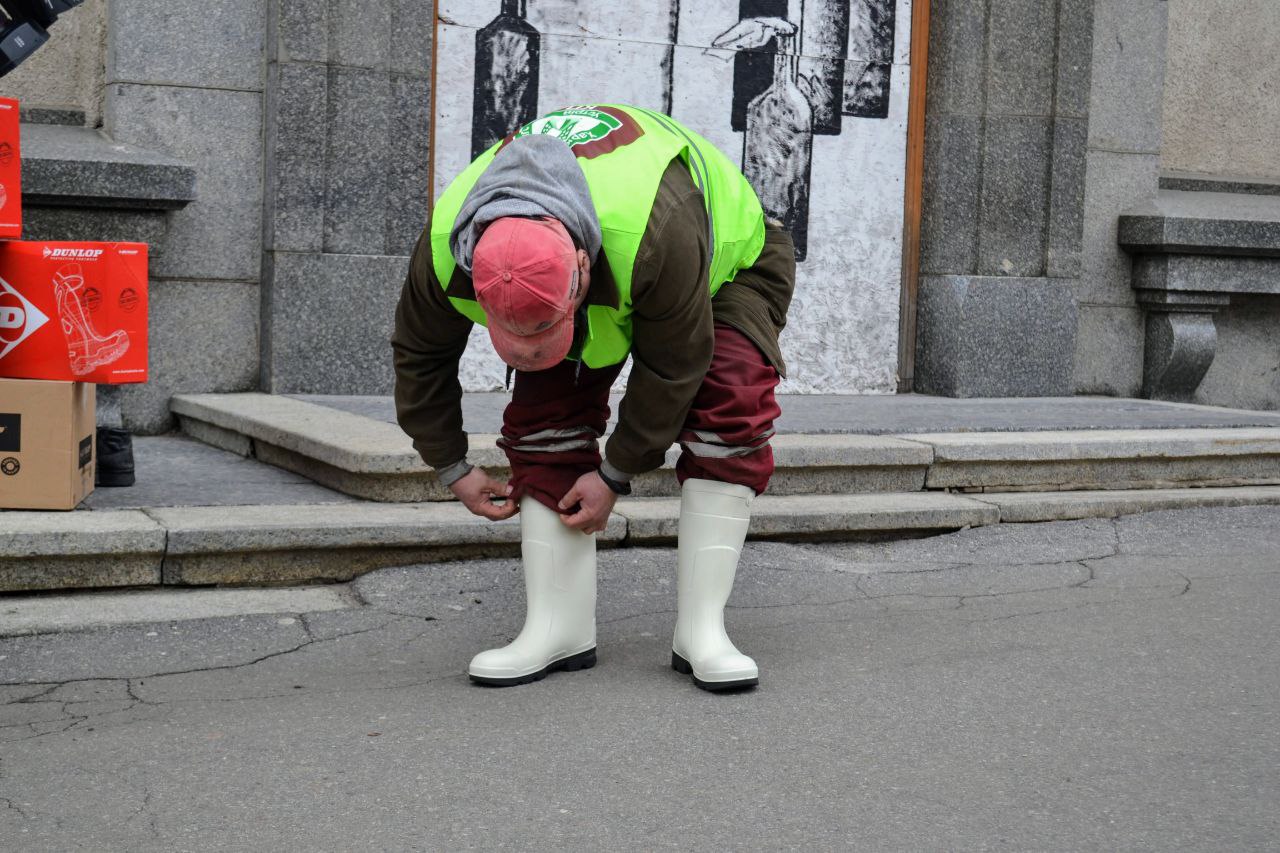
(42, 12)
(24, 28)
(18, 40)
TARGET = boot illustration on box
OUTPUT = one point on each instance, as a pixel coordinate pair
(88, 349)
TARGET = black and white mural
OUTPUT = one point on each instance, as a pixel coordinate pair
(809, 96)
(508, 50)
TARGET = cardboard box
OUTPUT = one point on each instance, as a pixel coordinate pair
(73, 312)
(10, 170)
(46, 444)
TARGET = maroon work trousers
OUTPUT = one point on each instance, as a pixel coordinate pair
(552, 426)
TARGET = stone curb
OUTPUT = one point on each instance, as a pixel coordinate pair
(1056, 445)
(374, 460)
(1062, 506)
(822, 516)
(336, 542)
(1092, 459)
(268, 545)
(59, 550)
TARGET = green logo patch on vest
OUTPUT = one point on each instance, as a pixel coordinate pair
(590, 130)
(575, 125)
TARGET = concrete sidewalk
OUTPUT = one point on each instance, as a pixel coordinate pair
(1090, 685)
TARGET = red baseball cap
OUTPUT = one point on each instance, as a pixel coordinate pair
(523, 271)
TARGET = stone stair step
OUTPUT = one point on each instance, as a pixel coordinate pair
(822, 516)
(59, 550)
(1084, 459)
(335, 542)
(373, 459)
(1111, 503)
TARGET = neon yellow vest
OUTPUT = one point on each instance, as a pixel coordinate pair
(624, 152)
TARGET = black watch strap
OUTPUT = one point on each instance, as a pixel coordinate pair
(617, 488)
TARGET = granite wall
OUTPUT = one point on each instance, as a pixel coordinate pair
(190, 84)
(347, 130)
(306, 122)
(1001, 234)
(1177, 86)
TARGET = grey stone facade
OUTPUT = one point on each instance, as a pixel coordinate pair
(994, 336)
(189, 84)
(347, 118)
(1122, 170)
(275, 155)
(1005, 164)
(1030, 162)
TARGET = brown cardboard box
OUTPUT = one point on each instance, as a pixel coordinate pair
(46, 443)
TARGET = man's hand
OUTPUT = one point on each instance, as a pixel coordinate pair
(597, 501)
(477, 490)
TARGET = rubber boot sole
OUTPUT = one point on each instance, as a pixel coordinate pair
(582, 660)
(683, 667)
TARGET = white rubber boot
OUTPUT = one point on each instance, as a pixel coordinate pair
(560, 587)
(713, 526)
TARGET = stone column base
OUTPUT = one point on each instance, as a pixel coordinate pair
(995, 336)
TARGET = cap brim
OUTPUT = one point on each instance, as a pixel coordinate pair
(530, 354)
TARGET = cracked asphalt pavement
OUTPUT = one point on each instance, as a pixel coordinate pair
(1066, 686)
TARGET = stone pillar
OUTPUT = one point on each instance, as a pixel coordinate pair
(187, 82)
(1005, 144)
(347, 113)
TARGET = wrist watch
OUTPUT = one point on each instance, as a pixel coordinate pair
(621, 489)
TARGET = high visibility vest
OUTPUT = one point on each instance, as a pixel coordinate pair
(624, 152)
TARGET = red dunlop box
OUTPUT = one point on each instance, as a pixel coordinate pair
(10, 171)
(74, 311)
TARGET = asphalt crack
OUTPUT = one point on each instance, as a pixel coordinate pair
(128, 681)
(12, 806)
(145, 810)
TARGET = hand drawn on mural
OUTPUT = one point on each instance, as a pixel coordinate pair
(836, 60)
(753, 38)
(508, 53)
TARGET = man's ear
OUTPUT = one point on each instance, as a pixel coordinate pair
(584, 262)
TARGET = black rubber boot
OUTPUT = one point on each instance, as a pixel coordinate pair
(115, 457)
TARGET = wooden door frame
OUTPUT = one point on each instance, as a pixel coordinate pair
(914, 192)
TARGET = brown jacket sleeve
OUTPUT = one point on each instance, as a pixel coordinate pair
(429, 338)
(673, 333)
